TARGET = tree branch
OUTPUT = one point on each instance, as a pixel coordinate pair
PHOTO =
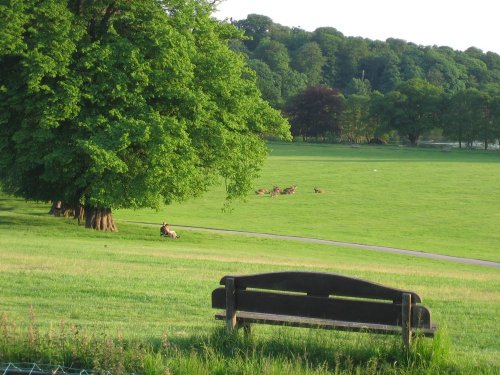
(110, 11)
(79, 7)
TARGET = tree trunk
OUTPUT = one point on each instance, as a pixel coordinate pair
(99, 218)
(413, 139)
(60, 208)
(67, 212)
(80, 214)
(55, 209)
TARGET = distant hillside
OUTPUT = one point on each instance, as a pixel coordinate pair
(289, 59)
(334, 88)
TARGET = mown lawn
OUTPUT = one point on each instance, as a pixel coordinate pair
(417, 199)
(142, 286)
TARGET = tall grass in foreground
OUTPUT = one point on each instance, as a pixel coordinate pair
(287, 351)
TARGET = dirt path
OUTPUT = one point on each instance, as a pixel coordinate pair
(414, 253)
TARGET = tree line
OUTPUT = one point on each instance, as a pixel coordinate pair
(358, 90)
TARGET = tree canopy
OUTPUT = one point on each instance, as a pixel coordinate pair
(328, 57)
(382, 81)
(315, 112)
(413, 108)
(111, 104)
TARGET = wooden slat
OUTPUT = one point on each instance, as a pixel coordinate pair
(321, 284)
(245, 317)
(318, 307)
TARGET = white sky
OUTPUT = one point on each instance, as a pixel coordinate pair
(458, 24)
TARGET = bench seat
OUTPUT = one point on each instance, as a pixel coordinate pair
(244, 317)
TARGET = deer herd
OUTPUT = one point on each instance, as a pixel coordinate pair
(279, 191)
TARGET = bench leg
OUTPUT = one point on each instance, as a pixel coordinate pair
(406, 320)
(230, 304)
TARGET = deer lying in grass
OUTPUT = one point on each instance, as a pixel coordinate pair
(289, 190)
(262, 191)
(319, 190)
(276, 190)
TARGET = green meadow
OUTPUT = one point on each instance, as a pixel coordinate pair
(415, 199)
(138, 287)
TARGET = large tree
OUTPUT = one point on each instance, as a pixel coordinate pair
(273, 53)
(308, 59)
(413, 108)
(357, 125)
(116, 103)
(315, 112)
(256, 27)
(329, 40)
(464, 112)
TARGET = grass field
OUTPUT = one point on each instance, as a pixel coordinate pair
(416, 199)
(142, 287)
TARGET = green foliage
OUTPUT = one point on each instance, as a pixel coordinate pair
(381, 68)
(443, 71)
(308, 59)
(359, 87)
(413, 108)
(356, 124)
(292, 84)
(121, 104)
(410, 82)
(463, 116)
(274, 54)
(255, 27)
(327, 57)
(13, 21)
(329, 40)
(315, 112)
(269, 82)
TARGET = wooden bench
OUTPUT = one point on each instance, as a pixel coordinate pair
(320, 300)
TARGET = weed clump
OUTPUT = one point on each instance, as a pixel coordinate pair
(70, 347)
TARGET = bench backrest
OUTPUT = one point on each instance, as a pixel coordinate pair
(321, 295)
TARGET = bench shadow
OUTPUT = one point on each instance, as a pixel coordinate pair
(307, 348)
(331, 349)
